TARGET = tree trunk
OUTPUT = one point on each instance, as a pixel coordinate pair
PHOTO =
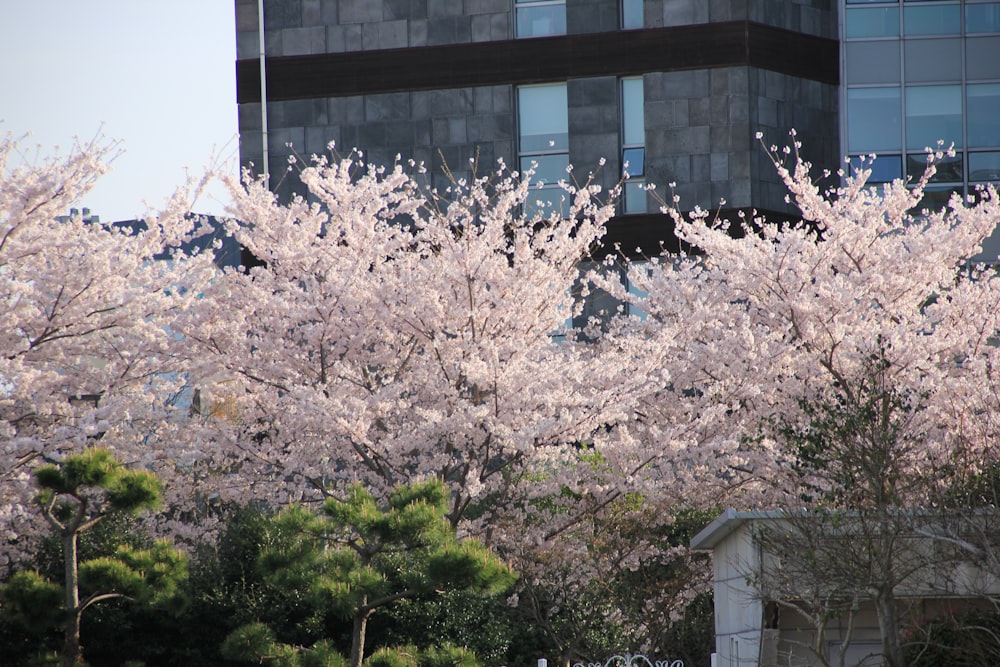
(71, 654)
(888, 623)
(358, 637)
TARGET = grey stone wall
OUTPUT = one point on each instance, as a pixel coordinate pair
(302, 27)
(594, 129)
(698, 135)
(700, 124)
(779, 104)
(437, 127)
(701, 127)
(583, 16)
(814, 17)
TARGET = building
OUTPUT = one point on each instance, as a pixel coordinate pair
(918, 72)
(675, 89)
(777, 602)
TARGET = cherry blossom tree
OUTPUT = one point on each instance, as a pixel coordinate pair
(85, 350)
(791, 320)
(619, 579)
(394, 332)
(775, 312)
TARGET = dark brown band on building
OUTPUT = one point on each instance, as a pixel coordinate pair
(619, 53)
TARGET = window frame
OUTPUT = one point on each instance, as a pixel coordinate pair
(522, 7)
(525, 156)
(633, 197)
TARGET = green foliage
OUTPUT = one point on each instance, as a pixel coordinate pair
(135, 491)
(111, 575)
(233, 582)
(855, 439)
(95, 467)
(153, 576)
(257, 644)
(965, 639)
(51, 478)
(163, 568)
(75, 496)
(642, 575)
(32, 601)
(484, 624)
(45, 659)
(130, 491)
(447, 655)
(114, 630)
(471, 566)
(691, 637)
(254, 643)
(354, 553)
(356, 557)
(323, 654)
(229, 588)
(400, 656)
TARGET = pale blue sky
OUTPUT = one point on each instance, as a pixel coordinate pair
(158, 75)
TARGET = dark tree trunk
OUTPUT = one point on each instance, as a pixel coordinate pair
(71, 654)
(358, 636)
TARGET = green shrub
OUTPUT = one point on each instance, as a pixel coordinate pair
(448, 655)
(400, 656)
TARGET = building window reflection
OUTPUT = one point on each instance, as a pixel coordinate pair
(543, 143)
(918, 72)
(540, 18)
(633, 145)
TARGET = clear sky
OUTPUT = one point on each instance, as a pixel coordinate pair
(157, 75)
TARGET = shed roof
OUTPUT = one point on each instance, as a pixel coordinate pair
(727, 523)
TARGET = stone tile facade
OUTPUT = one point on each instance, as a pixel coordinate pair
(699, 123)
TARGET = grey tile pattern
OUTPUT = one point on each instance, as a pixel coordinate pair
(294, 27)
(700, 124)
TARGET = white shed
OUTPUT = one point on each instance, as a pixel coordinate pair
(750, 631)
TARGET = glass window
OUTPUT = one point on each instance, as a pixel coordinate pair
(634, 161)
(543, 119)
(936, 197)
(633, 116)
(873, 62)
(932, 19)
(597, 304)
(872, 22)
(634, 195)
(543, 200)
(983, 113)
(983, 17)
(984, 167)
(933, 59)
(981, 61)
(633, 145)
(933, 113)
(641, 267)
(538, 18)
(543, 126)
(873, 119)
(949, 169)
(886, 168)
(632, 14)
(549, 169)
